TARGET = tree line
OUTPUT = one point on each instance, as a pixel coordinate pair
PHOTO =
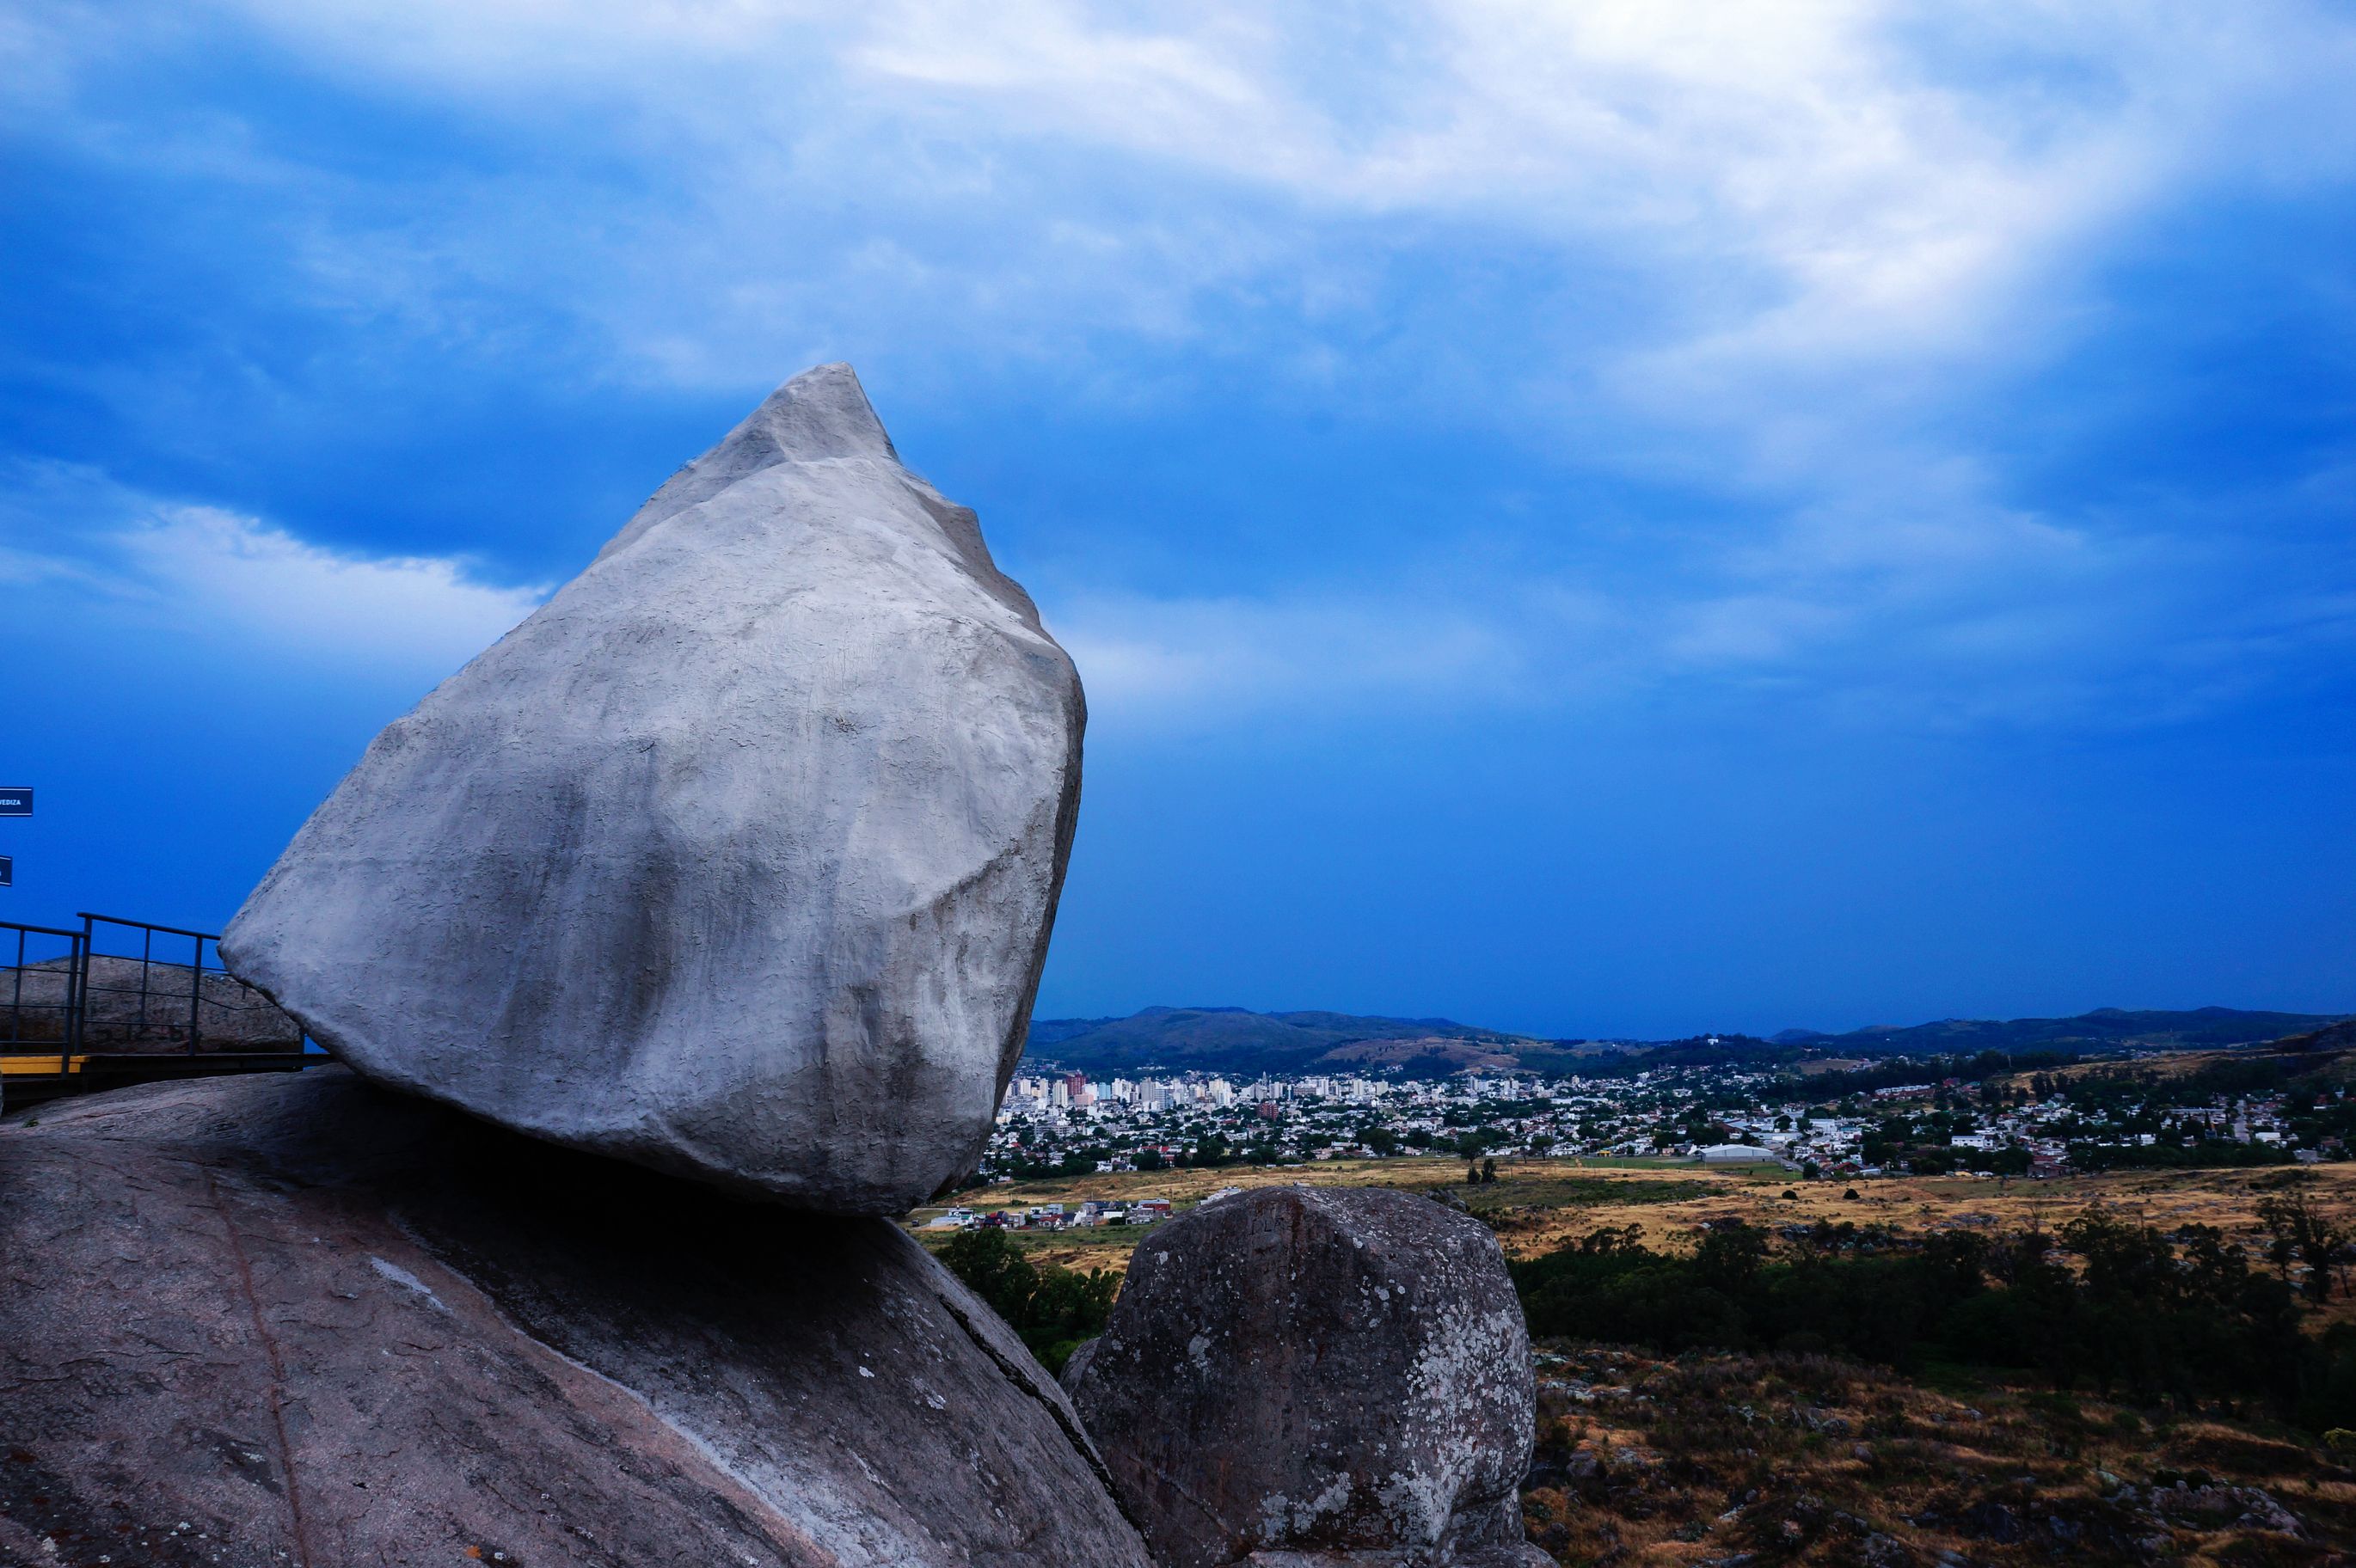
(2180, 1318)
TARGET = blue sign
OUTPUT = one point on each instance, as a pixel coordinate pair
(14, 802)
(8, 872)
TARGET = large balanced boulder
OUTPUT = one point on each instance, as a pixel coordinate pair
(265, 1321)
(737, 859)
(1301, 1376)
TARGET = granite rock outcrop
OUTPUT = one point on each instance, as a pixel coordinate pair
(295, 1319)
(1299, 1376)
(737, 859)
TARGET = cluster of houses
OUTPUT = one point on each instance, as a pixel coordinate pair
(2040, 1130)
(1052, 1216)
(1076, 1091)
(1117, 1124)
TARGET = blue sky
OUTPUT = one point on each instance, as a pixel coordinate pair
(1612, 520)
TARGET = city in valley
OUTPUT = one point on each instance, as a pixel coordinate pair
(1847, 1119)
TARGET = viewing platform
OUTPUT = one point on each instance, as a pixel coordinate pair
(118, 1002)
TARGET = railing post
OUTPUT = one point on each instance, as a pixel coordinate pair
(196, 993)
(78, 998)
(146, 958)
(16, 1001)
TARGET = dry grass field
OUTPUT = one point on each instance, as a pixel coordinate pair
(1537, 1205)
(2329, 1066)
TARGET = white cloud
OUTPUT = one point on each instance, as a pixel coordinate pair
(1818, 221)
(240, 575)
(1159, 660)
(233, 579)
(1934, 613)
(1808, 182)
(1801, 231)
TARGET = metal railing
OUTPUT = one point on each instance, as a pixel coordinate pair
(178, 996)
(42, 991)
(121, 1000)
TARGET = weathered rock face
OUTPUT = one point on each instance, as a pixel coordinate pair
(1314, 1376)
(251, 1322)
(736, 860)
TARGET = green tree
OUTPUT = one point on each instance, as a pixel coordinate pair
(2300, 1232)
(1052, 1309)
(1730, 1257)
(993, 1268)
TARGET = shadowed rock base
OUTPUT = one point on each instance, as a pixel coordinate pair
(298, 1320)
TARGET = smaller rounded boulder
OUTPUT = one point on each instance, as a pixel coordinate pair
(1312, 1376)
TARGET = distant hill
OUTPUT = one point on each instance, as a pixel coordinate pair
(2203, 1029)
(1237, 1040)
(1233, 1039)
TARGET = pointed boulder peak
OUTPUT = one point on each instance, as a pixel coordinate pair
(822, 412)
(821, 415)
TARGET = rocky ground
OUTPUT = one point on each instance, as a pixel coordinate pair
(1727, 1460)
(1733, 1460)
(286, 1320)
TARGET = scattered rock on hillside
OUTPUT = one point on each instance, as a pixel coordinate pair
(737, 859)
(262, 1321)
(1304, 1376)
